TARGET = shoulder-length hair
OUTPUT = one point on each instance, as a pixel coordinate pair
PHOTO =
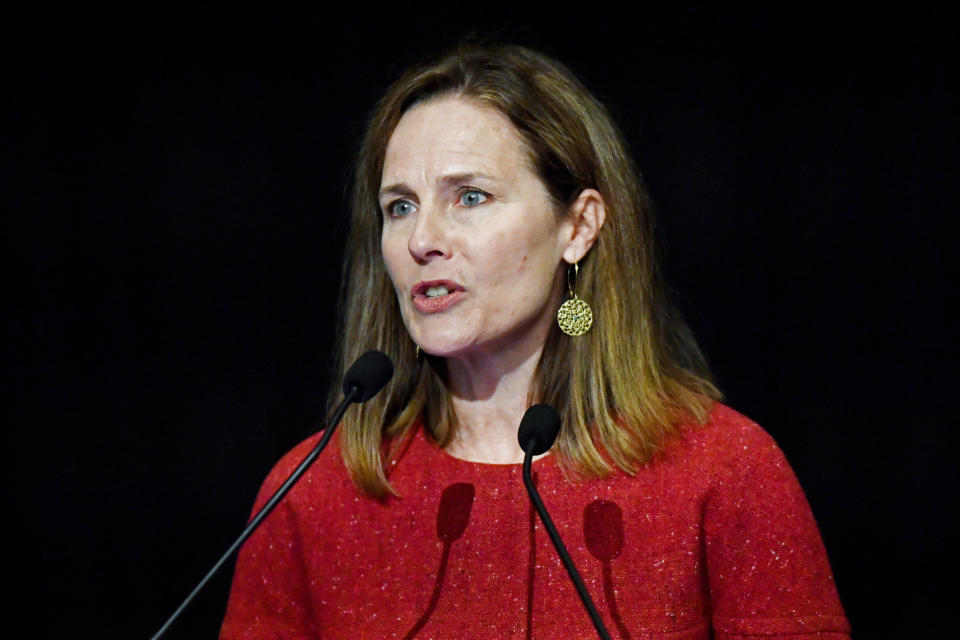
(622, 388)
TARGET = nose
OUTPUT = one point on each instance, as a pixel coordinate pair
(429, 239)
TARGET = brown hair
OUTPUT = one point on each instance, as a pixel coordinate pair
(621, 388)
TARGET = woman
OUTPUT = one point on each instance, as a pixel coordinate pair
(490, 187)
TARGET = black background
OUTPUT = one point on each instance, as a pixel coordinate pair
(175, 216)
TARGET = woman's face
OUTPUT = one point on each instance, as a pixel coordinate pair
(471, 239)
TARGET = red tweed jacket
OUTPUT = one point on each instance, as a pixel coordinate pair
(713, 539)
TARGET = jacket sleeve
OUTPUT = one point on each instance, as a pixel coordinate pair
(767, 566)
(269, 597)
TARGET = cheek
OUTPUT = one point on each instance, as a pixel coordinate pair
(530, 256)
(392, 255)
(507, 254)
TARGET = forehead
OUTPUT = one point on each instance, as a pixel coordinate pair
(453, 135)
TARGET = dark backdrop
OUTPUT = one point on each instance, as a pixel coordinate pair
(175, 218)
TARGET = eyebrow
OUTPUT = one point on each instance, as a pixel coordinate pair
(452, 178)
(398, 189)
(468, 176)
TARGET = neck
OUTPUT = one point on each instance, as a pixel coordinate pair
(489, 394)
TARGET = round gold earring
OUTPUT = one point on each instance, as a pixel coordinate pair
(574, 316)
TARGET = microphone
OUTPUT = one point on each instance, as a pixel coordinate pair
(363, 380)
(370, 373)
(538, 431)
(539, 428)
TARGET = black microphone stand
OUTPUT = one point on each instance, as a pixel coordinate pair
(353, 393)
(558, 545)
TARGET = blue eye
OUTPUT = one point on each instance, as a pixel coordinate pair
(472, 197)
(400, 208)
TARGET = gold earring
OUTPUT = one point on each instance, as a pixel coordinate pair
(574, 316)
(418, 352)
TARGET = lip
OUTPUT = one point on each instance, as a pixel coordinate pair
(423, 304)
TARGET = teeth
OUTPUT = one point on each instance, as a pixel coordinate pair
(433, 292)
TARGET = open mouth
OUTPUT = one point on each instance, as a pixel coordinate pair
(431, 296)
(433, 292)
(434, 288)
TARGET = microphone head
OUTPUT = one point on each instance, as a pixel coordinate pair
(368, 375)
(538, 429)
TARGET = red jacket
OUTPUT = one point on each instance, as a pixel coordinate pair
(715, 536)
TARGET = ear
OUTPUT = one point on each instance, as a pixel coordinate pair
(586, 217)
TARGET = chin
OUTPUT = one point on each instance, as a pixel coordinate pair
(441, 339)
(447, 344)
(442, 349)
